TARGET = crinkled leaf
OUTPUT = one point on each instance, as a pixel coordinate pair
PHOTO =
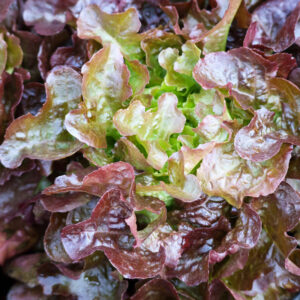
(244, 235)
(209, 28)
(198, 21)
(92, 283)
(199, 105)
(119, 175)
(152, 128)
(193, 265)
(44, 136)
(224, 173)
(251, 142)
(192, 156)
(96, 280)
(213, 129)
(186, 62)
(246, 80)
(137, 263)
(262, 138)
(105, 86)
(264, 269)
(106, 228)
(204, 212)
(234, 263)
(287, 125)
(66, 202)
(285, 63)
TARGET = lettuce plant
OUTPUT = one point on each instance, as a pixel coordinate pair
(149, 149)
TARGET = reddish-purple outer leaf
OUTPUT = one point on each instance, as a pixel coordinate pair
(280, 212)
(224, 173)
(64, 202)
(17, 191)
(16, 236)
(106, 228)
(11, 90)
(274, 25)
(264, 269)
(48, 17)
(285, 63)
(137, 263)
(117, 175)
(246, 80)
(30, 44)
(7, 174)
(193, 265)
(203, 212)
(244, 235)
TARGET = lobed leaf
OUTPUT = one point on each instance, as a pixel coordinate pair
(118, 29)
(43, 136)
(105, 87)
(224, 173)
